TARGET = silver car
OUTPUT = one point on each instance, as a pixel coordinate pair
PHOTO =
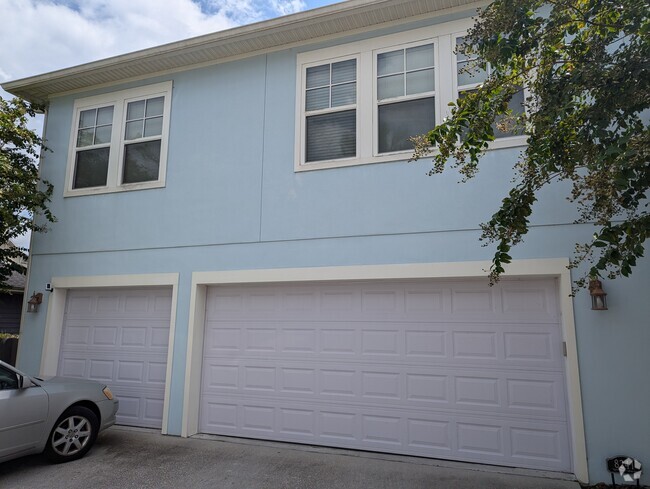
(58, 415)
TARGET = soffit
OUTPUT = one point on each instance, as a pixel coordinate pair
(240, 41)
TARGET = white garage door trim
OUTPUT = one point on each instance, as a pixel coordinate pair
(520, 268)
(56, 311)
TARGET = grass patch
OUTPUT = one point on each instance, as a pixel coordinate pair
(4, 336)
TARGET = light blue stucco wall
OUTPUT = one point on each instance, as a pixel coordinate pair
(233, 201)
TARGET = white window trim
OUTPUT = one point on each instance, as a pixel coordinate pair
(115, 164)
(444, 38)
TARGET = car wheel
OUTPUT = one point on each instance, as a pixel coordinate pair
(73, 434)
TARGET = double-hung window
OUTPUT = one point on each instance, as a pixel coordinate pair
(330, 111)
(119, 141)
(470, 74)
(361, 102)
(405, 96)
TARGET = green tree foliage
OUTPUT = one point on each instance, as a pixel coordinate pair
(586, 66)
(22, 193)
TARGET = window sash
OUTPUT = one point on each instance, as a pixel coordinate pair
(516, 104)
(329, 110)
(115, 172)
(331, 136)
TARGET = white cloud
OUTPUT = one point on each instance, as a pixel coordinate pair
(44, 35)
(285, 7)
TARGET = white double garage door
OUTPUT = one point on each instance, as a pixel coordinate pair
(436, 368)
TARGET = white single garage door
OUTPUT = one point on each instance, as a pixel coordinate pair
(443, 369)
(120, 337)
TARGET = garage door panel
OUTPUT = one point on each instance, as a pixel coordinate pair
(446, 435)
(485, 344)
(140, 407)
(499, 391)
(450, 369)
(120, 337)
(387, 302)
(126, 334)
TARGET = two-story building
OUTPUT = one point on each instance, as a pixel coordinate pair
(243, 249)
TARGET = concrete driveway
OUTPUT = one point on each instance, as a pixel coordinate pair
(130, 458)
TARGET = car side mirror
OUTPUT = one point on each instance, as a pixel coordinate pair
(21, 382)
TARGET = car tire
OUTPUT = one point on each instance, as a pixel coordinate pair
(73, 434)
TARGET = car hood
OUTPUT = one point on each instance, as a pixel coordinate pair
(82, 387)
(64, 380)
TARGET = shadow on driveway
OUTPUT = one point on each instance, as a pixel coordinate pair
(128, 458)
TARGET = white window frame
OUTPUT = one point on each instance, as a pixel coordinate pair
(504, 142)
(376, 102)
(330, 110)
(119, 101)
(443, 36)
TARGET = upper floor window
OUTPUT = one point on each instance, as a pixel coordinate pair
(470, 74)
(330, 111)
(405, 96)
(119, 141)
(360, 102)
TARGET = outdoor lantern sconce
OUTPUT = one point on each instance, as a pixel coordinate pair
(598, 295)
(34, 301)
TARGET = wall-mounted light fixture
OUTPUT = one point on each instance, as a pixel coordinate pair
(598, 295)
(34, 301)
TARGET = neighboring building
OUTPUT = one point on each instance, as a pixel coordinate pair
(243, 249)
(11, 301)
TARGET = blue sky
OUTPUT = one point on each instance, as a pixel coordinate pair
(39, 36)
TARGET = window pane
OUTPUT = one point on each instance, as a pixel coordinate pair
(318, 76)
(133, 130)
(419, 57)
(331, 136)
(87, 118)
(344, 94)
(516, 104)
(459, 42)
(399, 121)
(419, 82)
(392, 62)
(105, 116)
(470, 72)
(103, 134)
(344, 71)
(85, 137)
(155, 106)
(318, 98)
(141, 162)
(390, 86)
(91, 168)
(8, 380)
(153, 127)
(135, 110)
